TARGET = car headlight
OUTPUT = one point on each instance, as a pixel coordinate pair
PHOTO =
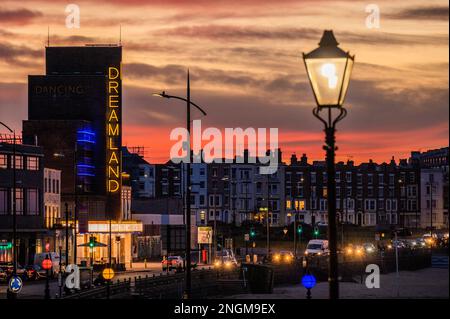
(319, 253)
(217, 263)
(277, 257)
(306, 253)
(349, 251)
(228, 264)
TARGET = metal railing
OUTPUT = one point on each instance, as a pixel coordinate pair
(118, 288)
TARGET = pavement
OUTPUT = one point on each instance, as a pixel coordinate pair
(428, 283)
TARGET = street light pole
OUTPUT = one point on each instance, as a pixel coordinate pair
(67, 234)
(215, 227)
(75, 210)
(329, 69)
(267, 216)
(187, 293)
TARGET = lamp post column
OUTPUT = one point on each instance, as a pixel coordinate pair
(188, 194)
(14, 207)
(67, 233)
(332, 230)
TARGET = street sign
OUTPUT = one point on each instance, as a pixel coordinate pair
(15, 284)
(204, 235)
(5, 245)
(247, 237)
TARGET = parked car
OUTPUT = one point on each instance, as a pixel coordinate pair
(8, 268)
(3, 275)
(172, 262)
(317, 247)
(35, 272)
(225, 259)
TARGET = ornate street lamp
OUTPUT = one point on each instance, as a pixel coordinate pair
(329, 69)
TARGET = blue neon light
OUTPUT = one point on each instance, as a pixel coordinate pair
(85, 170)
(85, 136)
(85, 166)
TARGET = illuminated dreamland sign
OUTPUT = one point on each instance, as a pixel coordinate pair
(113, 134)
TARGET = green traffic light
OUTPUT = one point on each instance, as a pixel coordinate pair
(299, 230)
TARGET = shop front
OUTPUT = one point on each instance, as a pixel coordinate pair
(93, 247)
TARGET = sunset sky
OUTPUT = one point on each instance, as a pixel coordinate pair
(246, 69)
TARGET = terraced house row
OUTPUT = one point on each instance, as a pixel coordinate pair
(395, 193)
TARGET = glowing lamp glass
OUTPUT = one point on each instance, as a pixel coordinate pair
(309, 281)
(46, 264)
(329, 69)
(108, 273)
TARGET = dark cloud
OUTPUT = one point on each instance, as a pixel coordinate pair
(386, 38)
(222, 32)
(18, 16)
(422, 13)
(285, 101)
(18, 55)
(237, 33)
(372, 107)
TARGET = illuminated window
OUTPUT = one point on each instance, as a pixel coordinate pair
(301, 205)
(288, 204)
(32, 163)
(19, 162)
(3, 161)
(19, 200)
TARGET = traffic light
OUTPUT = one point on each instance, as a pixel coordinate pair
(91, 242)
(252, 233)
(316, 231)
(299, 229)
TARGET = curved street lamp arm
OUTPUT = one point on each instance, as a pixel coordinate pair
(167, 96)
(330, 123)
(7, 127)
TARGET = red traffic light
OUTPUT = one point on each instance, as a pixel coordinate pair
(46, 264)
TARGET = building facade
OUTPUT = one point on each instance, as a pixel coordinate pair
(28, 198)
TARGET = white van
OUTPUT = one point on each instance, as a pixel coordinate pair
(317, 247)
(54, 257)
